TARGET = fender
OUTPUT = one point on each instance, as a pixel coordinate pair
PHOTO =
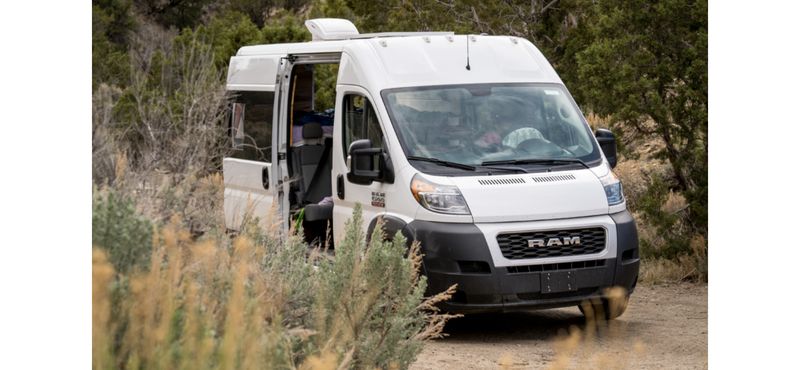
(391, 225)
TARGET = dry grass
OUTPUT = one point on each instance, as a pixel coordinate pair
(198, 307)
(256, 302)
(102, 329)
(585, 346)
(687, 267)
(195, 198)
(662, 270)
(582, 348)
(674, 203)
(595, 121)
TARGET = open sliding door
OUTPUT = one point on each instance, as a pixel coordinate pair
(283, 124)
(248, 171)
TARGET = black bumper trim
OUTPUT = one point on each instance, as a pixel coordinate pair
(445, 245)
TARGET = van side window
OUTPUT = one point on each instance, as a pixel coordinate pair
(251, 125)
(360, 122)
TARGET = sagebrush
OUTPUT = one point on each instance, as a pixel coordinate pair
(257, 301)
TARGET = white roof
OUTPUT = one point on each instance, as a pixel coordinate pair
(403, 60)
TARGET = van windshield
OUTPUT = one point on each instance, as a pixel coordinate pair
(485, 124)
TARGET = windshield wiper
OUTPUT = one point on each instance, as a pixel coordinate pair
(442, 162)
(463, 165)
(515, 169)
(552, 161)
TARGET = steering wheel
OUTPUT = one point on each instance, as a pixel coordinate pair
(537, 145)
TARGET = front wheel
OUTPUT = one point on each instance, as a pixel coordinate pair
(606, 308)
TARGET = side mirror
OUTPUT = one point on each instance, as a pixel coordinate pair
(368, 164)
(608, 144)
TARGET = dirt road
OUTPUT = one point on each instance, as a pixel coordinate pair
(664, 327)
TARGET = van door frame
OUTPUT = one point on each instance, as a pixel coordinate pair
(280, 126)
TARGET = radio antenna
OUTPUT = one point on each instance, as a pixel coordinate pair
(468, 68)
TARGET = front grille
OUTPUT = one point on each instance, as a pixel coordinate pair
(515, 246)
(556, 266)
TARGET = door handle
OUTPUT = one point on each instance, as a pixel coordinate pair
(340, 186)
(265, 177)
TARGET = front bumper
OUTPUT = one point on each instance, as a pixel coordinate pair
(458, 254)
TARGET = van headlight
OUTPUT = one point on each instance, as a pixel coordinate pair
(437, 197)
(613, 188)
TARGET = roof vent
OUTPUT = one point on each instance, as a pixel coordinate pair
(323, 29)
(553, 178)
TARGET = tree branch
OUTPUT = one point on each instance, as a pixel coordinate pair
(544, 9)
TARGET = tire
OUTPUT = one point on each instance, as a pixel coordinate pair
(607, 308)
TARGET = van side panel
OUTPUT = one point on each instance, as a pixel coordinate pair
(245, 194)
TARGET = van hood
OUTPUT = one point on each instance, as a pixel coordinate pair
(535, 196)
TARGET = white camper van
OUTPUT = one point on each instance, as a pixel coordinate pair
(470, 144)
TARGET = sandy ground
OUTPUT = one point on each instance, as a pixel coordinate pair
(664, 327)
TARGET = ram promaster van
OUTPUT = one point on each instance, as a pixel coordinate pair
(470, 144)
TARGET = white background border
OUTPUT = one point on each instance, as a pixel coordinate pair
(754, 130)
(754, 124)
(45, 185)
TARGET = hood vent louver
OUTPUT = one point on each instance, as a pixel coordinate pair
(553, 178)
(508, 181)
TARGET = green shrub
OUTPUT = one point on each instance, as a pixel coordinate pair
(119, 230)
(368, 300)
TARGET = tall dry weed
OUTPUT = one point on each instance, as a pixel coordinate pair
(259, 302)
(691, 266)
(198, 306)
(102, 329)
(582, 347)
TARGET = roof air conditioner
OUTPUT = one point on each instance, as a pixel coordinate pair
(331, 29)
